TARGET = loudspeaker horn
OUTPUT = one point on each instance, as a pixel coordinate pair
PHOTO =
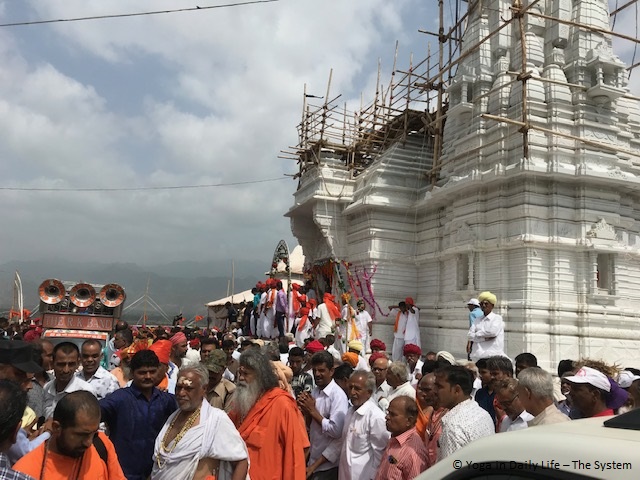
(82, 295)
(112, 295)
(51, 291)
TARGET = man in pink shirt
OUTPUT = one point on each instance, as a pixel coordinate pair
(406, 455)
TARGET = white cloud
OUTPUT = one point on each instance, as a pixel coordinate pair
(203, 97)
(181, 99)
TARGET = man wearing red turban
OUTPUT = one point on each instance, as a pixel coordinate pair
(412, 354)
(378, 346)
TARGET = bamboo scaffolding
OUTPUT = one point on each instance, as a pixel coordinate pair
(417, 99)
(619, 9)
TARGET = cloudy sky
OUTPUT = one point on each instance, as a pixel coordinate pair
(196, 98)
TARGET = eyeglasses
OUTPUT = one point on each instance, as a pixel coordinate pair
(507, 403)
(376, 369)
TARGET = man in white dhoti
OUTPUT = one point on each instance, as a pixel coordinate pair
(412, 332)
(303, 327)
(198, 440)
(399, 327)
(269, 311)
(364, 322)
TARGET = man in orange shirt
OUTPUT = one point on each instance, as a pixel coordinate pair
(76, 450)
(269, 421)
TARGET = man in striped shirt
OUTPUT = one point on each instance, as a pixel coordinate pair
(406, 455)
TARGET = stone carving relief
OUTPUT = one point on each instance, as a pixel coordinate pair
(465, 234)
(601, 229)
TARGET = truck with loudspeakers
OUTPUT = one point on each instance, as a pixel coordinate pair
(78, 311)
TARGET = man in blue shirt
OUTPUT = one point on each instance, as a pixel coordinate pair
(475, 312)
(136, 414)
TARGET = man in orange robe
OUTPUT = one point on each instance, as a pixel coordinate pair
(269, 421)
(72, 452)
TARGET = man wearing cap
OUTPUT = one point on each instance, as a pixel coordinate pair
(136, 414)
(588, 391)
(16, 365)
(629, 379)
(356, 346)
(66, 359)
(219, 390)
(475, 313)
(487, 333)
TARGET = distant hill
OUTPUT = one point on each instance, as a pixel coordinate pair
(176, 287)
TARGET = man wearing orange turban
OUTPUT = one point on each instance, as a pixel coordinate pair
(351, 358)
(329, 313)
(303, 327)
(162, 349)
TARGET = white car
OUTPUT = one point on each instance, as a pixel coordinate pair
(603, 447)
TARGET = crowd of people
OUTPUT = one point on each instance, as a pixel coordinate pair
(173, 403)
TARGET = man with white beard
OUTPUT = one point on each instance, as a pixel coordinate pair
(269, 421)
(198, 440)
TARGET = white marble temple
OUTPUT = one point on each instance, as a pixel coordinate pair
(555, 235)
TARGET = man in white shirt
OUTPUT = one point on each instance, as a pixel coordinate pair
(487, 333)
(364, 323)
(326, 408)
(328, 313)
(398, 379)
(509, 400)
(465, 421)
(99, 378)
(365, 433)
(412, 354)
(66, 359)
(379, 366)
(535, 391)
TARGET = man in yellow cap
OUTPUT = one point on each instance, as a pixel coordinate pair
(357, 347)
(487, 333)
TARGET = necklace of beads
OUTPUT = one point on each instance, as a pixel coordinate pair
(185, 428)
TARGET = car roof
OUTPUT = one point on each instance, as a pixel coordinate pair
(586, 440)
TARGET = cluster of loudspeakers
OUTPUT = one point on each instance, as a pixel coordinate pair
(52, 293)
